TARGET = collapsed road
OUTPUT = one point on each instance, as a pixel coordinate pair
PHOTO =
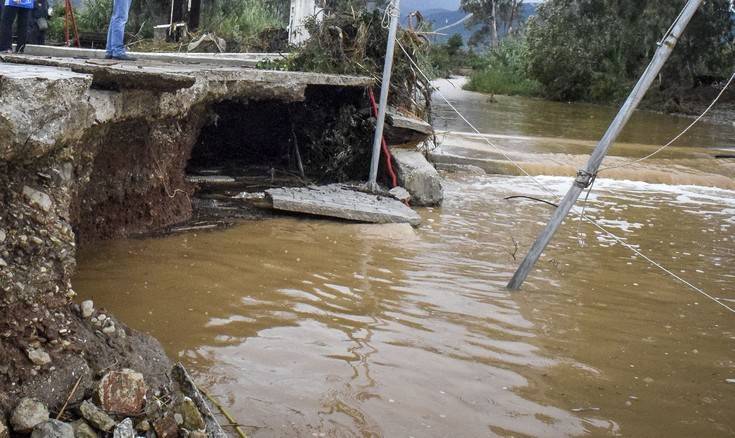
(94, 149)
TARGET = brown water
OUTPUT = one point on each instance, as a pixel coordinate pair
(316, 328)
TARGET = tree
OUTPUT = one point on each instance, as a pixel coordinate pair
(492, 15)
(595, 49)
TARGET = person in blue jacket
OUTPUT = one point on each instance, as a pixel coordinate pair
(116, 31)
(12, 10)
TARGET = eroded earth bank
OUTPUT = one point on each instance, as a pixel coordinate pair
(98, 152)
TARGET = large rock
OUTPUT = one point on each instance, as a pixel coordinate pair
(122, 392)
(419, 177)
(124, 429)
(192, 418)
(39, 356)
(53, 429)
(96, 416)
(28, 414)
(166, 426)
(83, 430)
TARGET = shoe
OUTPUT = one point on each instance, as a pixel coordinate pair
(123, 57)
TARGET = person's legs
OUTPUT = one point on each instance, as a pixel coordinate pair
(23, 15)
(116, 31)
(6, 28)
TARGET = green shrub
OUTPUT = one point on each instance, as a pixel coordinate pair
(504, 70)
(503, 80)
(238, 21)
(94, 16)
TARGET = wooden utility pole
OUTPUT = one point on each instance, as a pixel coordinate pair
(585, 177)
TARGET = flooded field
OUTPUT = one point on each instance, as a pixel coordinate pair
(318, 328)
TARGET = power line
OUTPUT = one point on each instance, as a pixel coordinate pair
(545, 189)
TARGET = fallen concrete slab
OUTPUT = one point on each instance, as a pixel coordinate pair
(342, 202)
(406, 130)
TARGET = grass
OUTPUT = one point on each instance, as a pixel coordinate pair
(503, 80)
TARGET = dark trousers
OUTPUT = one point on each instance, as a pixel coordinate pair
(6, 28)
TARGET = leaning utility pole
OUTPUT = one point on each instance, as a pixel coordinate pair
(394, 11)
(586, 176)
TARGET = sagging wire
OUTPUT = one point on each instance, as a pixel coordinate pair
(609, 233)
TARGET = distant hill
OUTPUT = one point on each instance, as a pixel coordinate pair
(440, 17)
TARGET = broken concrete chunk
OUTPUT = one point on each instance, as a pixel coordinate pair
(96, 416)
(28, 414)
(2, 236)
(87, 308)
(400, 193)
(166, 426)
(192, 418)
(39, 356)
(419, 177)
(37, 199)
(53, 429)
(3, 263)
(109, 329)
(122, 392)
(124, 429)
(83, 430)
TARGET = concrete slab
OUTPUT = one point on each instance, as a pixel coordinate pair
(249, 60)
(339, 201)
(165, 76)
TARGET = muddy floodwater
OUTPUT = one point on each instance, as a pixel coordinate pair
(306, 327)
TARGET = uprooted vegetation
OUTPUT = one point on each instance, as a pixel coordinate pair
(354, 42)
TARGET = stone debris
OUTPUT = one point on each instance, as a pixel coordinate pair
(122, 392)
(53, 429)
(28, 414)
(87, 308)
(39, 356)
(96, 416)
(419, 177)
(37, 198)
(109, 329)
(3, 263)
(83, 430)
(2, 236)
(124, 429)
(182, 413)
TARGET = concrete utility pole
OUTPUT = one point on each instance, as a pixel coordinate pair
(585, 177)
(394, 9)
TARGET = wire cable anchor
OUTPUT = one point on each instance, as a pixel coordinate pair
(584, 179)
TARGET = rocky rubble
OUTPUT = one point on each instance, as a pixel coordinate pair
(122, 406)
